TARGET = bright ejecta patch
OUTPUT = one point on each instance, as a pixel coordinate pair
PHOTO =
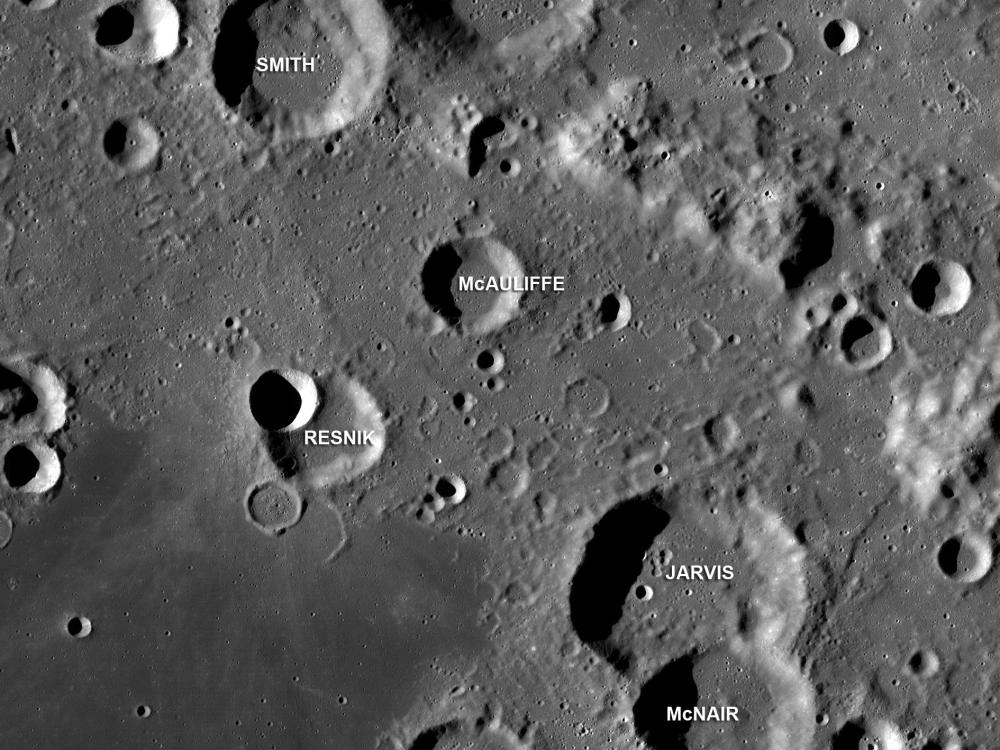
(346, 437)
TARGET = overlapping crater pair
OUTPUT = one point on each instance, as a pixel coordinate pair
(319, 432)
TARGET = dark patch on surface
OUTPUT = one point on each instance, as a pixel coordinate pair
(609, 309)
(438, 272)
(114, 26)
(853, 338)
(444, 488)
(813, 247)
(485, 360)
(612, 562)
(924, 286)
(483, 130)
(834, 34)
(282, 452)
(673, 685)
(17, 399)
(947, 556)
(235, 52)
(848, 737)
(274, 402)
(429, 738)
(20, 465)
(115, 139)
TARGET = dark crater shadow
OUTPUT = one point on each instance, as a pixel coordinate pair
(812, 247)
(274, 402)
(114, 26)
(429, 738)
(483, 130)
(848, 737)
(924, 286)
(673, 686)
(436, 276)
(281, 449)
(20, 466)
(115, 140)
(852, 337)
(17, 399)
(609, 308)
(235, 52)
(612, 562)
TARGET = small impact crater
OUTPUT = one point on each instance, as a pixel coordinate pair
(965, 558)
(614, 311)
(31, 467)
(79, 626)
(273, 508)
(940, 287)
(140, 32)
(490, 361)
(865, 342)
(841, 36)
(283, 400)
(131, 144)
(923, 663)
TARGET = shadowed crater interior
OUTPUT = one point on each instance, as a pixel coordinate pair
(948, 555)
(20, 465)
(115, 139)
(813, 247)
(280, 448)
(114, 26)
(925, 286)
(436, 276)
(834, 34)
(609, 309)
(612, 562)
(484, 129)
(235, 52)
(857, 340)
(17, 399)
(274, 402)
(429, 739)
(848, 737)
(673, 686)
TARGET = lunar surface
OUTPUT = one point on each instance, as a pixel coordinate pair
(493, 375)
